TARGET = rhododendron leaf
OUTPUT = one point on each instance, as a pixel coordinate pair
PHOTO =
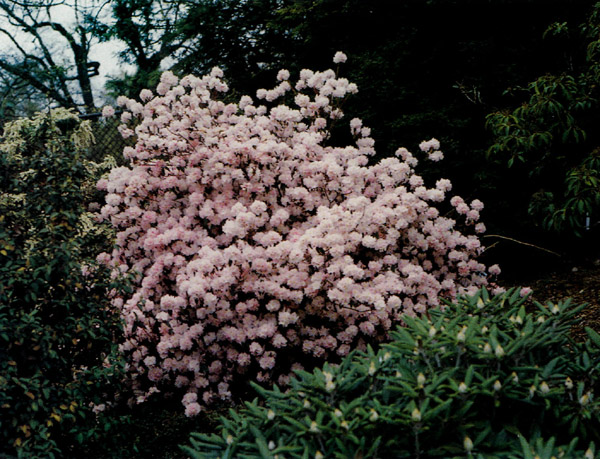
(593, 335)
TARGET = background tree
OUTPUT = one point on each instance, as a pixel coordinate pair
(152, 32)
(550, 136)
(48, 48)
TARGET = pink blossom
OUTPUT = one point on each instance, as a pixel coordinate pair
(525, 291)
(339, 58)
(432, 144)
(192, 409)
(108, 111)
(494, 270)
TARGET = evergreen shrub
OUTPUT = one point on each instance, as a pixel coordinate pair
(484, 376)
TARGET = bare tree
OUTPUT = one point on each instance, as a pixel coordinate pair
(151, 31)
(48, 48)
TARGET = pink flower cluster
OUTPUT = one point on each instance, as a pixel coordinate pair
(258, 247)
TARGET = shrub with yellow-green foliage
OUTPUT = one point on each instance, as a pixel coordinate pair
(58, 364)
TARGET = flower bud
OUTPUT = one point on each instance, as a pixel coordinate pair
(374, 416)
(421, 380)
(532, 390)
(468, 444)
(462, 335)
(499, 351)
(569, 383)
(416, 415)
(497, 385)
(462, 387)
(372, 369)
(270, 415)
(544, 388)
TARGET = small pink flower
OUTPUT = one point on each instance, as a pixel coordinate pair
(192, 409)
(525, 291)
(108, 111)
(339, 58)
(494, 270)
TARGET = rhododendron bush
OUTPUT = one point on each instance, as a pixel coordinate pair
(258, 246)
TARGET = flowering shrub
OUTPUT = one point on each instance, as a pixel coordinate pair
(486, 377)
(258, 246)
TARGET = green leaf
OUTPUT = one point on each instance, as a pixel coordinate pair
(593, 335)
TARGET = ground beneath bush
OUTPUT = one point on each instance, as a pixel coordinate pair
(580, 282)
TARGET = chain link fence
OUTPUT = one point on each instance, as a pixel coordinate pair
(108, 139)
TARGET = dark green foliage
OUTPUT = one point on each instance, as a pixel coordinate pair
(57, 330)
(487, 377)
(552, 134)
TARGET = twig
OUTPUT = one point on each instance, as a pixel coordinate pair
(523, 243)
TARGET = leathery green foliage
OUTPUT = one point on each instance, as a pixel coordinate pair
(486, 377)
